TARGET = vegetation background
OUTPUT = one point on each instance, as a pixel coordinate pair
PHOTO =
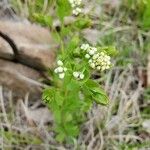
(125, 123)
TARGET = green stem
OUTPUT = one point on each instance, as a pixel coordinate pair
(62, 112)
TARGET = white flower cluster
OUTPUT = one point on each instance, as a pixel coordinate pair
(78, 75)
(60, 70)
(97, 60)
(75, 4)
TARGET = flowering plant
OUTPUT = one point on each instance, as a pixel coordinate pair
(73, 89)
(75, 4)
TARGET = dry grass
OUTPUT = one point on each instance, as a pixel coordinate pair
(106, 127)
(115, 127)
(110, 126)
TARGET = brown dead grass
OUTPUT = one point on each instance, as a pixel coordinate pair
(106, 127)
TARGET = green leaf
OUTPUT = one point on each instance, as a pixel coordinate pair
(98, 90)
(110, 50)
(60, 137)
(68, 117)
(82, 23)
(72, 130)
(87, 104)
(100, 96)
(74, 42)
(57, 115)
(146, 16)
(73, 86)
(63, 9)
(90, 83)
(97, 93)
(59, 98)
(56, 36)
(73, 102)
(48, 95)
(44, 20)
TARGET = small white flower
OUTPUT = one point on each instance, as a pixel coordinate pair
(102, 63)
(94, 49)
(87, 56)
(71, 1)
(76, 11)
(56, 70)
(90, 61)
(92, 65)
(98, 68)
(76, 74)
(60, 69)
(99, 60)
(103, 68)
(81, 76)
(61, 75)
(84, 46)
(102, 53)
(91, 52)
(107, 67)
(95, 56)
(77, 2)
(65, 69)
(108, 62)
(59, 63)
(73, 5)
(108, 57)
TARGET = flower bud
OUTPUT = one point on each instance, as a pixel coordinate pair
(92, 65)
(98, 68)
(56, 70)
(61, 75)
(76, 11)
(59, 63)
(76, 74)
(81, 76)
(87, 56)
(84, 46)
(91, 52)
(95, 56)
(60, 69)
(65, 69)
